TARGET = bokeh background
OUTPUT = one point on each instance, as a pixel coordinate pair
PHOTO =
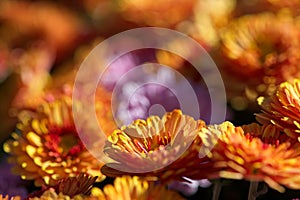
(255, 45)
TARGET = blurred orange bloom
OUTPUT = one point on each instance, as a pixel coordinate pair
(259, 51)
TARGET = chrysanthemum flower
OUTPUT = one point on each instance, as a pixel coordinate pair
(51, 194)
(81, 184)
(260, 51)
(69, 187)
(124, 188)
(128, 188)
(46, 146)
(283, 109)
(256, 153)
(163, 149)
(164, 13)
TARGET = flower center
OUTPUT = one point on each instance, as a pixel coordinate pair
(67, 143)
(63, 143)
(154, 143)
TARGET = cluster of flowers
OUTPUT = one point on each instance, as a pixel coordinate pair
(255, 45)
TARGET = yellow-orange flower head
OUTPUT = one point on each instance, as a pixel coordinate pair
(244, 153)
(46, 146)
(130, 188)
(165, 148)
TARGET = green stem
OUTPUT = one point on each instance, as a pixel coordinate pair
(253, 190)
(217, 190)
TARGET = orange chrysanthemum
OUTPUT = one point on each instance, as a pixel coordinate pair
(124, 188)
(257, 153)
(46, 146)
(283, 109)
(128, 188)
(259, 52)
(163, 13)
(165, 148)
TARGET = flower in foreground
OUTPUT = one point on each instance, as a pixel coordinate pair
(257, 153)
(79, 185)
(155, 148)
(260, 51)
(124, 188)
(283, 109)
(46, 147)
(127, 188)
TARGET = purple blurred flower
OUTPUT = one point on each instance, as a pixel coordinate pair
(153, 89)
(117, 69)
(141, 87)
(121, 65)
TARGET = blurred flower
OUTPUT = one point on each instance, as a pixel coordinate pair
(30, 69)
(155, 90)
(30, 21)
(138, 94)
(245, 7)
(68, 187)
(241, 154)
(127, 188)
(33, 66)
(209, 17)
(283, 109)
(164, 149)
(259, 51)
(180, 55)
(162, 13)
(46, 146)
(103, 111)
(6, 197)
(10, 184)
(117, 69)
